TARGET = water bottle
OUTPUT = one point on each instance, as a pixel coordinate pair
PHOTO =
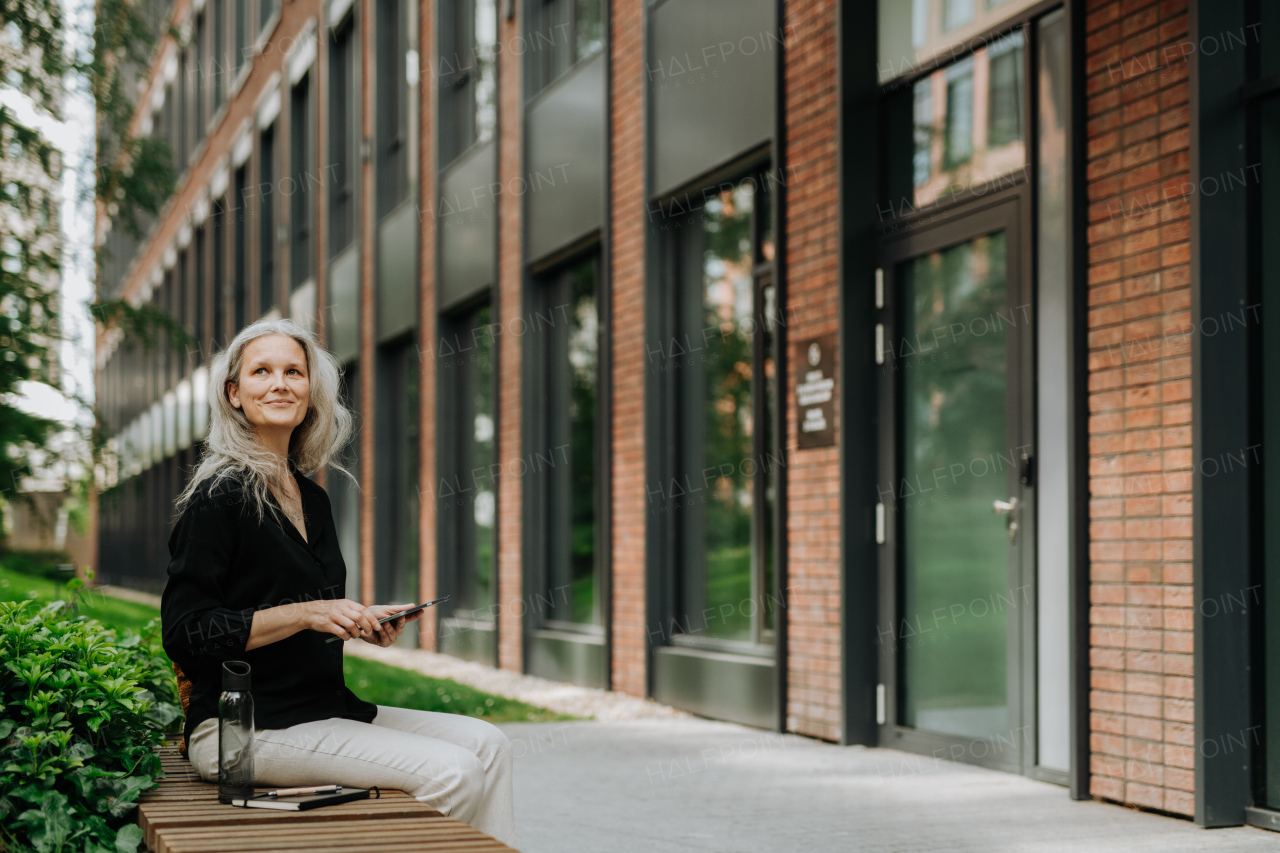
(235, 733)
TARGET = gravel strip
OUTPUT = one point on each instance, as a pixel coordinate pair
(558, 696)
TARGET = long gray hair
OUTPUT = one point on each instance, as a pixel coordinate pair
(232, 451)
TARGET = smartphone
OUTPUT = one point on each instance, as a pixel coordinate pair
(384, 620)
(412, 610)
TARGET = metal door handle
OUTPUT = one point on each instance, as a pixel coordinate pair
(1009, 508)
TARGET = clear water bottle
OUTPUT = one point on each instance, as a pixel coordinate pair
(235, 733)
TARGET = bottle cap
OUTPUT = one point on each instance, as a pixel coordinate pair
(235, 675)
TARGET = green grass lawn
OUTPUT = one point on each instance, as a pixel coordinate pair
(375, 682)
(401, 688)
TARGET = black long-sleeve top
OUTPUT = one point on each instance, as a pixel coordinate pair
(225, 565)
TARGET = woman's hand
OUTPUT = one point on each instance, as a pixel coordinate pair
(391, 631)
(344, 618)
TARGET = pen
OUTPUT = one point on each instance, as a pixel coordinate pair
(289, 792)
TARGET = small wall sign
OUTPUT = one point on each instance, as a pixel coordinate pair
(815, 366)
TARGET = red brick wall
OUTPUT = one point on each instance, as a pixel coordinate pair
(812, 239)
(627, 224)
(427, 343)
(1142, 739)
(368, 330)
(510, 308)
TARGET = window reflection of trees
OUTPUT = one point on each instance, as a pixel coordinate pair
(728, 327)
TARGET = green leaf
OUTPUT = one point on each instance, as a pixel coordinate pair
(48, 827)
(128, 838)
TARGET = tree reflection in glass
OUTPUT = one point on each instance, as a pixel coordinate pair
(951, 362)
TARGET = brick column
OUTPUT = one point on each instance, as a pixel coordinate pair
(510, 311)
(367, 306)
(1140, 464)
(626, 276)
(810, 308)
(427, 343)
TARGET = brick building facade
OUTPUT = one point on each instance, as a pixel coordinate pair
(1142, 735)
(638, 237)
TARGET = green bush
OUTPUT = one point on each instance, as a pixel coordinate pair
(81, 712)
(42, 564)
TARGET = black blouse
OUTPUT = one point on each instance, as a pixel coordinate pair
(224, 565)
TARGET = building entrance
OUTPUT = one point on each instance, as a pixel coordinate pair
(956, 507)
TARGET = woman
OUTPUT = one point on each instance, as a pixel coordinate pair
(255, 574)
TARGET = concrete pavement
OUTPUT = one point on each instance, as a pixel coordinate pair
(685, 785)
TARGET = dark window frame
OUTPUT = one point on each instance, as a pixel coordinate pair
(306, 183)
(242, 36)
(342, 134)
(218, 277)
(460, 57)
(551, 54)
(391, 105)
(268, 15)
(220, 10)
(268, 274)
(240, 246)
(673, 420)
(456, 473)
(199, 251)
(182, 154)
(551, 501)
(199, 37)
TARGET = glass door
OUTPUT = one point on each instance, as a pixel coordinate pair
(955, 487)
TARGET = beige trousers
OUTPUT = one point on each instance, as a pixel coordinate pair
(460, 766)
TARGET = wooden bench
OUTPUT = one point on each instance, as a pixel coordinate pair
(183, 815)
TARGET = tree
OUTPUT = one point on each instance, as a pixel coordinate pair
(32, 62)
(131, 176)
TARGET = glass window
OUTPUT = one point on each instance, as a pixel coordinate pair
(392, 93)
(218, 68)
(304, 180)
(170, 307)
(344, 496)
(568, 338)
(239, 235)
(183, 116)
(199, 290)
(913, 34)
(1268, 264)
(218, 228)
(342, 117)
(266, 9)
(171, 134)
(183, 277)
(468, 76)
(561, 34)
(243, 35)
(1004, 92)
(467, 492)
(396, 546)
(199, 73)
(956, 13)
(266, 220)
(722, 364)
(958, 141)
(963, 135)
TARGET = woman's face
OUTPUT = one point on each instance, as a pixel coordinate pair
(274, 387)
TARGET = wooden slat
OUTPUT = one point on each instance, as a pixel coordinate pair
(183, 815)
(343, 837)
(155, 817)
